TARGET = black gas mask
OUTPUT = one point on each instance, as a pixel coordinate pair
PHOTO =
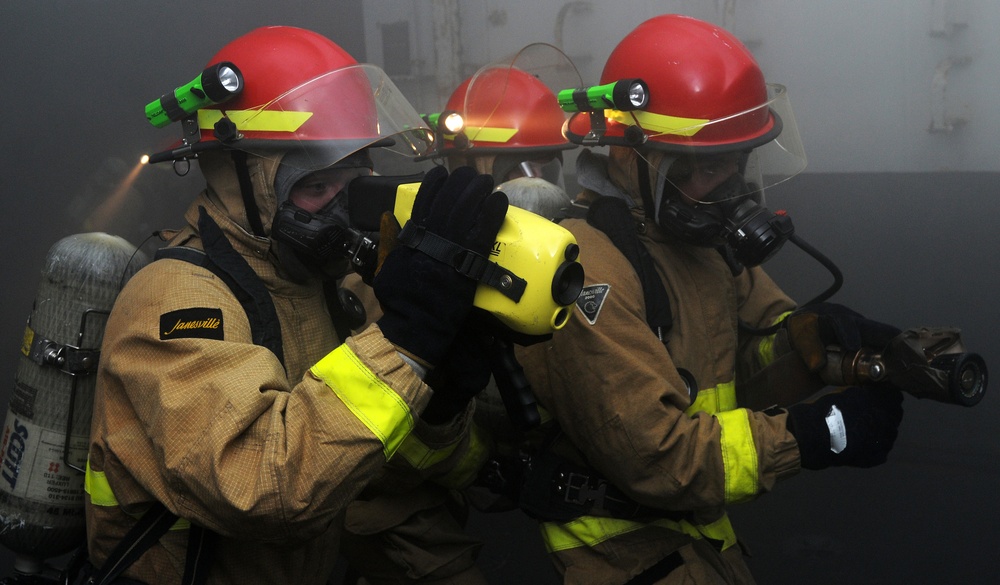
(313, 244)
(311, 230)
(730, 217)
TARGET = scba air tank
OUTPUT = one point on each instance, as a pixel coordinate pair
(43, 449)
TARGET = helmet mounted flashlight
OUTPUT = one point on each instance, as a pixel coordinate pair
(216, 84)
(623, 95)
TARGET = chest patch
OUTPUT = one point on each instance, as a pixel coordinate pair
(197, 322)
(591, 300)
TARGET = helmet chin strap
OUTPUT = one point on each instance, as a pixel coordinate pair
(645, 189)
(246, 190)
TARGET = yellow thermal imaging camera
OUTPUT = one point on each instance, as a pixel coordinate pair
(542, 275)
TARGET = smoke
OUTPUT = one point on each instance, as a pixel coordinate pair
(917, 245)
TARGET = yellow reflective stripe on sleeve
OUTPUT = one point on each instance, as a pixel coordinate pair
(713, 400)
(593, 530)
(419, 455)
(375, 404)
(95, 483)
(488, 134)
(739, 455)
(465, 471)
(462, 472)
(658, 122)
(255, 120)
(765, 349)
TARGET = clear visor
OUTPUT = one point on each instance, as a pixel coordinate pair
(320, 122)
(543, 61)
(711, 173)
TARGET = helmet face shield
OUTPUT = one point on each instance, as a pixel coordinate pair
(703, 171)
(511, 104)
(327, 118)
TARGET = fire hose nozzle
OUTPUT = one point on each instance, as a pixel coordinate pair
(925, 362)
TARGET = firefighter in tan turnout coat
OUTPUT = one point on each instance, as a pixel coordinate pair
(228, 413)
(648, 444)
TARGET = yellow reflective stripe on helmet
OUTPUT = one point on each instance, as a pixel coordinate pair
(713, 400)
(255, 120)
(375, 404)
(465, 471)
(489, 134)
(95, 483)
(765, 349)
(658, 122)
(593, 530)
(739, 455)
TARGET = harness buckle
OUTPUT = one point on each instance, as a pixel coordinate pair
(581, 489)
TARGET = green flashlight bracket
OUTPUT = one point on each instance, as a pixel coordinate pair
(225, 132)
(624, 95)
(632, 136)
(216, 84)
(598, 126)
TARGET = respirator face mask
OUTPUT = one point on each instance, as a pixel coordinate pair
(312, 236)
(707, 201)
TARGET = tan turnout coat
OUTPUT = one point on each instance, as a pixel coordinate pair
(615, 391)
(217, 430)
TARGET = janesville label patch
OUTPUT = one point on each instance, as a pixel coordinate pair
(198, 322)
(591, 300)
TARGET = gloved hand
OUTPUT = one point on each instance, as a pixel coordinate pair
(426, 300)
(464, 373)
(855, 427)
(813, 327)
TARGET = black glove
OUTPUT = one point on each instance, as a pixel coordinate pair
(864, 432)
(464, 373)
(813, 327)
(426, 300)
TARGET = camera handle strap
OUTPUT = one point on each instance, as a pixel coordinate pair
(465, 261)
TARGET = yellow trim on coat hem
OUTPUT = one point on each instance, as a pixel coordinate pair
(591, 531)
(96, 484)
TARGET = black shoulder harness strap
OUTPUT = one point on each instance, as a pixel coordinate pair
(145, 533)
(222, 260)
(612, 216)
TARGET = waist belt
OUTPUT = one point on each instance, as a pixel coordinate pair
(551, 488)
